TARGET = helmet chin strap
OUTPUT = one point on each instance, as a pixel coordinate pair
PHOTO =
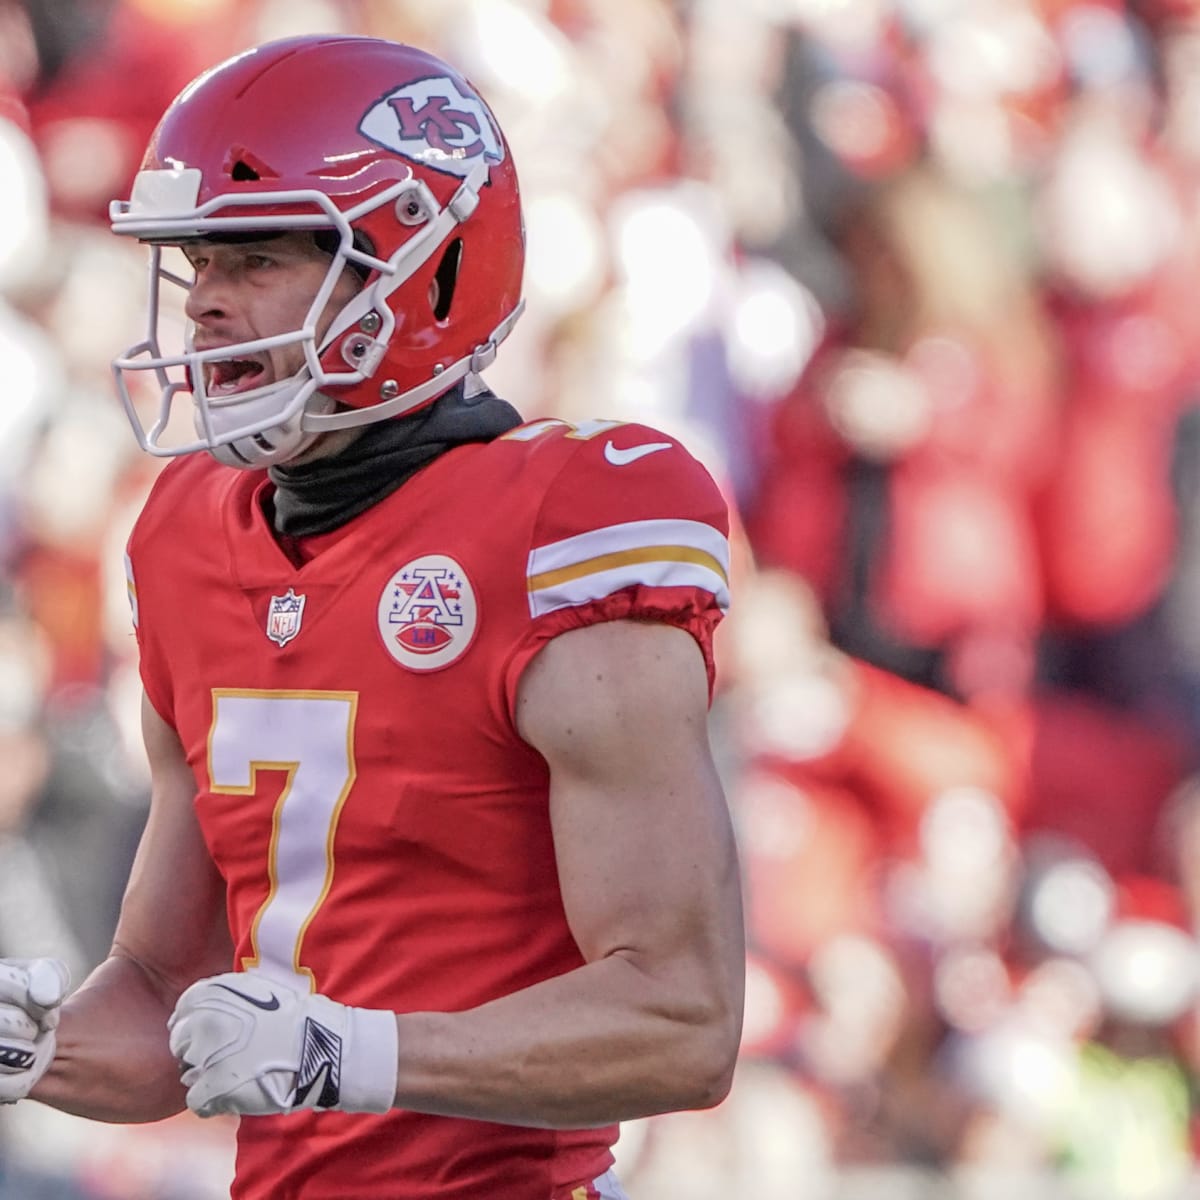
(275, 444)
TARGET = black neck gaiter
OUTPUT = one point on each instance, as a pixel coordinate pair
(321, 495)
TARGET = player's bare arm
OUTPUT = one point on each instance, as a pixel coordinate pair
(112, 1061)
(649, 880)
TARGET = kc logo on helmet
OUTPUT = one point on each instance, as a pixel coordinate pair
(427, 613)
(436, 124)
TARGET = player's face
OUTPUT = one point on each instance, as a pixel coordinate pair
(248, 290)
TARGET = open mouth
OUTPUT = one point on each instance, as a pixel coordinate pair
(229, 376)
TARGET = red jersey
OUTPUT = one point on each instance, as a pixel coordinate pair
(382, 830)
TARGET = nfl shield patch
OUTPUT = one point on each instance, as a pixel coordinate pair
(283, 617)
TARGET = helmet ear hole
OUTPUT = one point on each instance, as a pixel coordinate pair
(446, 277)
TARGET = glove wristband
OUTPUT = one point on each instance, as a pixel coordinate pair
(369, 1061)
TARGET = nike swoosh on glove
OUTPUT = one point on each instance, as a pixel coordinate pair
(252, 1045)
(31, 991)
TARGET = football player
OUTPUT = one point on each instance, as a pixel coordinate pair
(438, 883)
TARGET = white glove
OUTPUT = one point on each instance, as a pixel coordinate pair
(31, 991)
(252, 1045)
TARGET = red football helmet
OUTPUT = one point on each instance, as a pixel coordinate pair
(395, 156)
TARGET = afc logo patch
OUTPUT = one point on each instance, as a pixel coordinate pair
(435, 123)
(427, 613)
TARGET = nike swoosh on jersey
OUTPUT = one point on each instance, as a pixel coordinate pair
(266, 1005)
(621, 458)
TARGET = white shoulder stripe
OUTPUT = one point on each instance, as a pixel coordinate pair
(628, 536)
(660, 553)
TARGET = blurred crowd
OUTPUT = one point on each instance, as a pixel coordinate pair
(917, 280)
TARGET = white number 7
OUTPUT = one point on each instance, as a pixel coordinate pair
(310, 735)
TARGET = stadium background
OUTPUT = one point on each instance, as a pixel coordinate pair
(918, 280)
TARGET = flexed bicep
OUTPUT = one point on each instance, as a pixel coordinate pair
(643, 839)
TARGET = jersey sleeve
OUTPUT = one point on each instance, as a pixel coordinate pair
(152, 573)
(626, 536)
(154, 677)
